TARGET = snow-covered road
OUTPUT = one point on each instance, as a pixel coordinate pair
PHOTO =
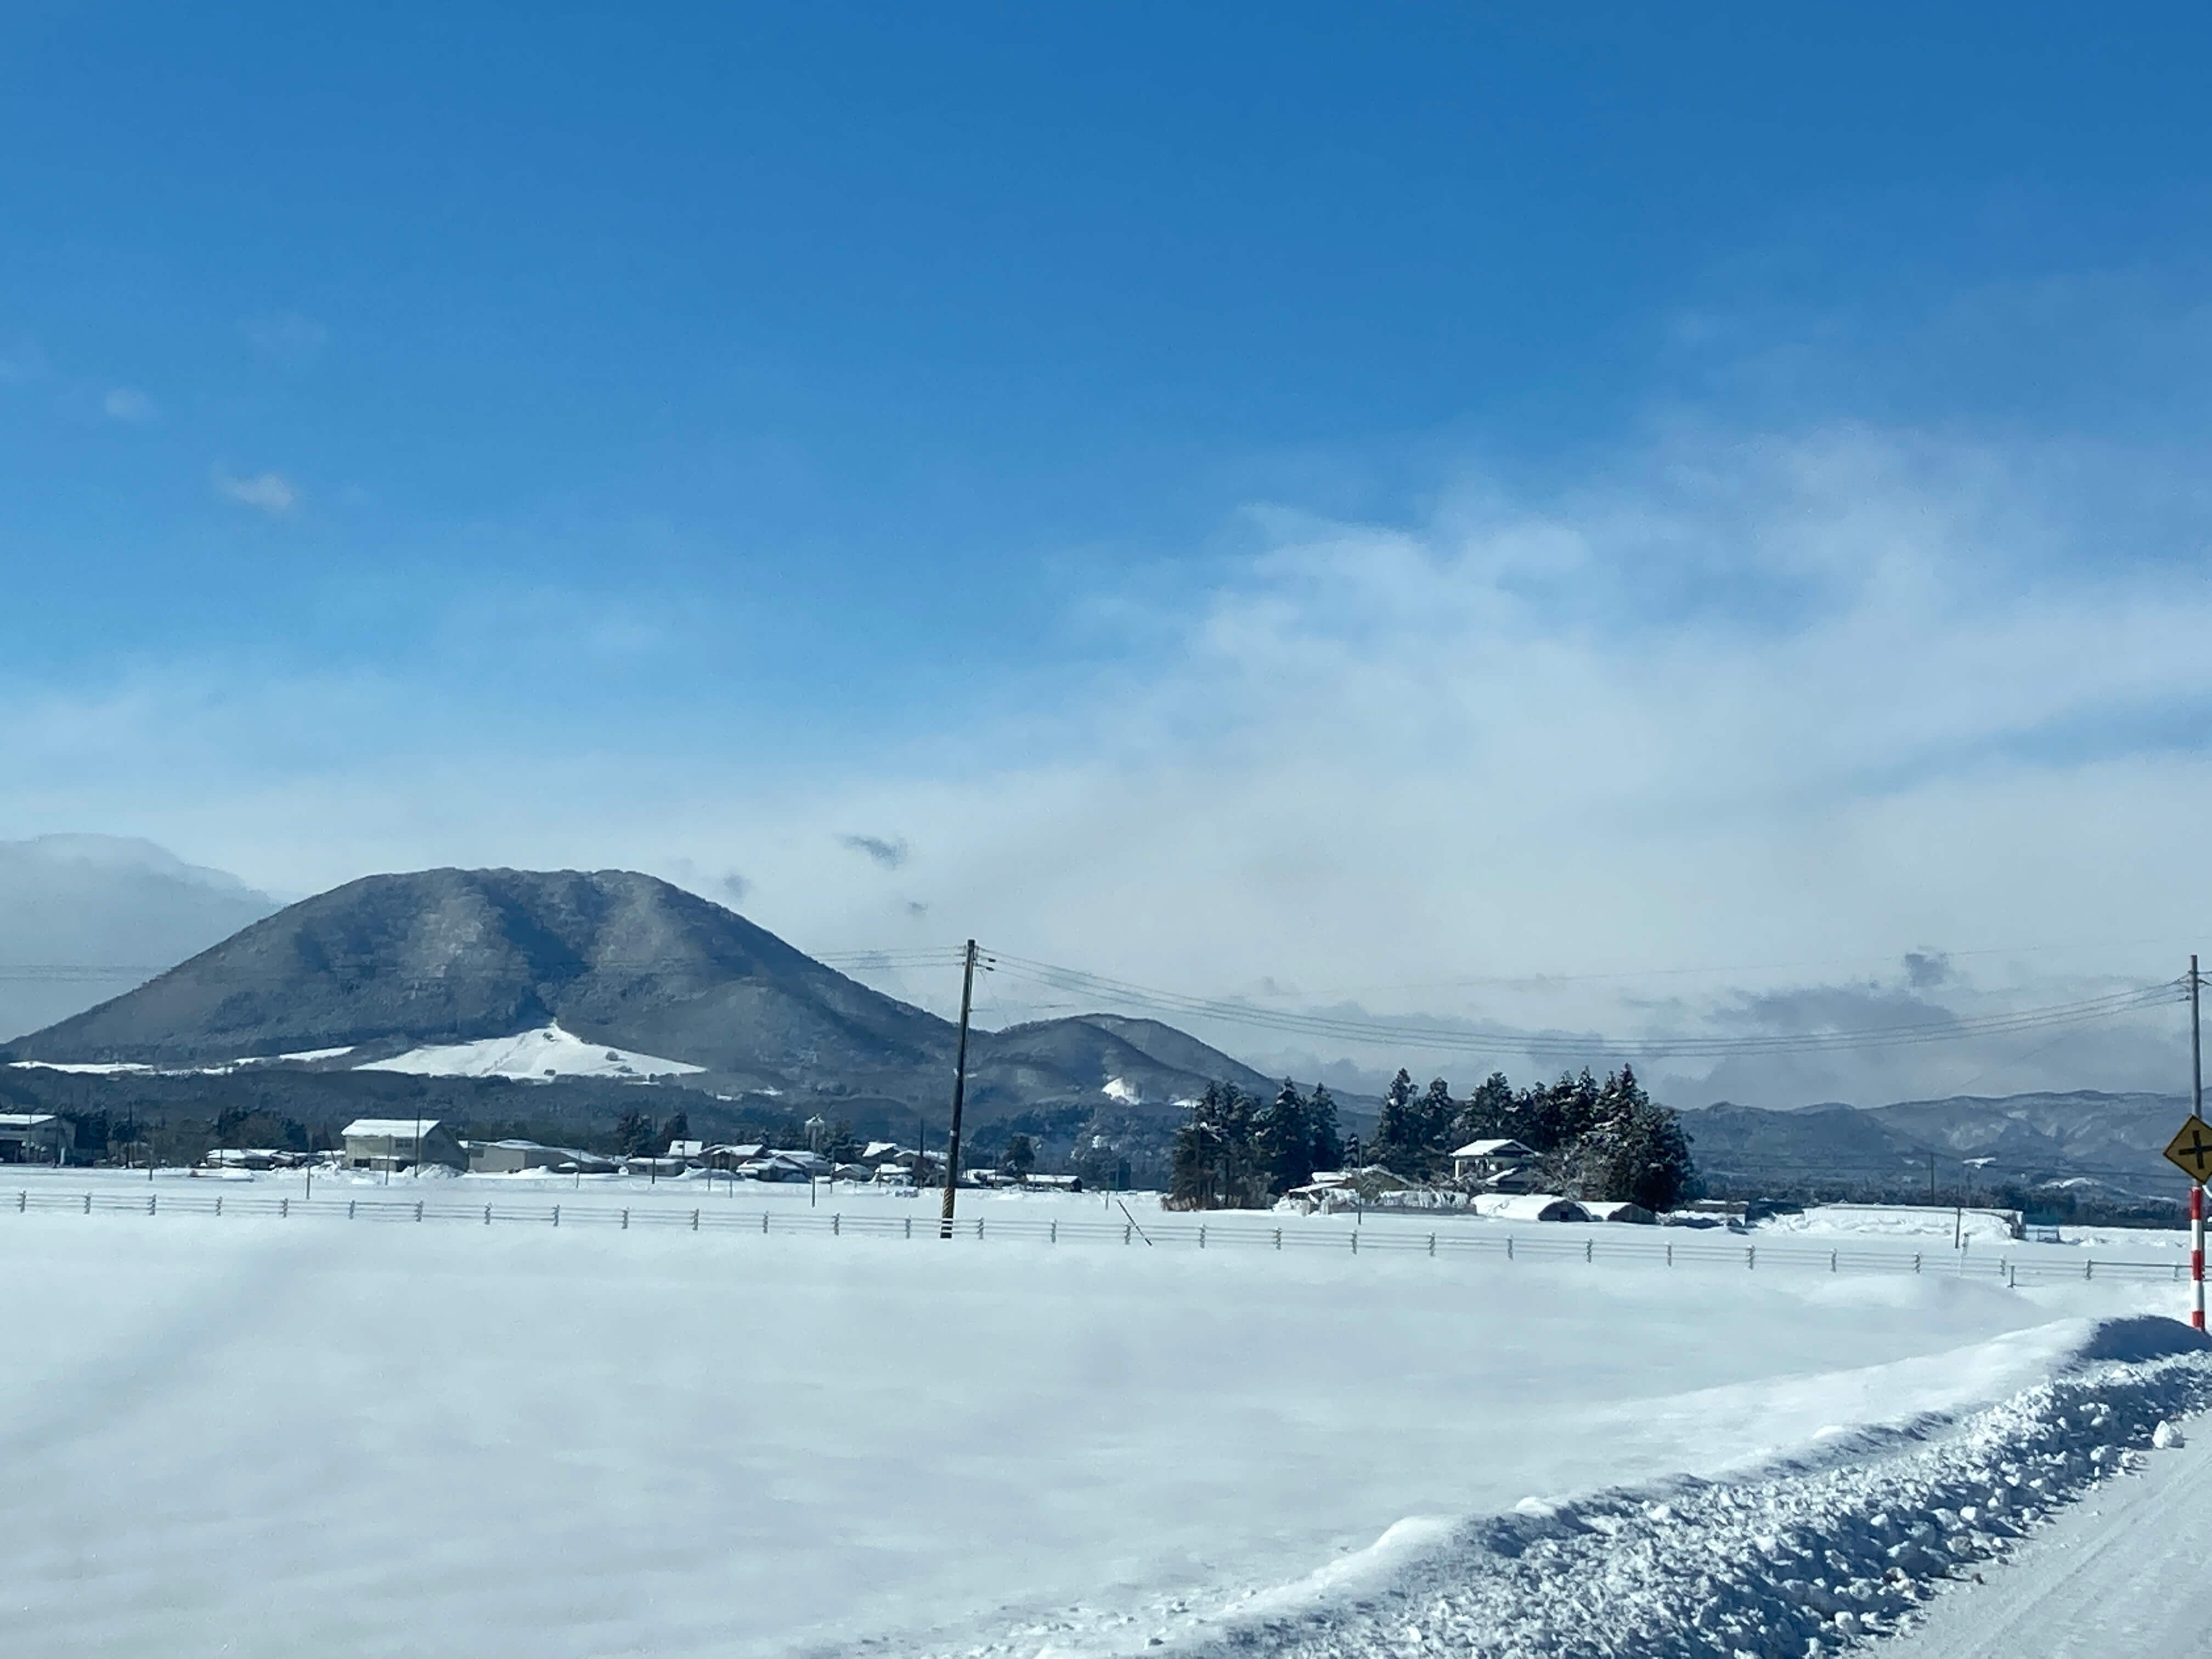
(2122, 1576)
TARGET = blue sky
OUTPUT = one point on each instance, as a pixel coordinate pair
(692, 438)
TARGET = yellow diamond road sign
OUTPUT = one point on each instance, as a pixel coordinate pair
(2192, 1148)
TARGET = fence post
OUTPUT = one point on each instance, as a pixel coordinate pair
(2011, 1282)
(695, 1221)
(218, 1203)
(1509, 1247)
(1832, 1262)
(2088, 1267)
(837, 1223)
(1750, 1257)
(1589, 1250)
(418, 1208)
(1202, 1235)
(1278, 1238)
(283, 1208)
(1916, 1261)
(486, 1215)
(349, 1204)
(152, 1202)
(763, 1220)
(1670, 1255)
(1125, 1232)
(1432, 1243)
(979, 1226)
(88, 1203)
(625, 1226)
(1355, 1240)
(1054, 1236)
(21, 1198)
(557, 1215)
(909, 1226)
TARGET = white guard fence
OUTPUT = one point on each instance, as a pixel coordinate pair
(1614, 1244)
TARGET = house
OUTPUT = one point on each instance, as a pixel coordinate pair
(689, 1151)
(36, 1138)
(1515, 1178)
(511, 1157)
(1529, 1206)
(1054, 1183)
(1481, 1159)
(730, 1158)
(392, 1144)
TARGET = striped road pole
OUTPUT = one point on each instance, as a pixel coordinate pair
(2196, 1255)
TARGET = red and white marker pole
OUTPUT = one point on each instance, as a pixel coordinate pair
(2196, 1255)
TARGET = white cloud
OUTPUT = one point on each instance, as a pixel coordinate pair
(129, 404)
(1779, 709)
(271, 492)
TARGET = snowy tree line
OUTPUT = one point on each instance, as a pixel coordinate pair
(1596, 1139)
(1237, 1152)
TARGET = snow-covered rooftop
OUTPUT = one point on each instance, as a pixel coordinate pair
(388, 1128)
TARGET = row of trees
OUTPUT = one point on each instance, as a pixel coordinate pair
(1239, 1153)
(1596, 1139)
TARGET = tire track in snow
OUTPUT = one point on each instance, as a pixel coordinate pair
(2121, 1581)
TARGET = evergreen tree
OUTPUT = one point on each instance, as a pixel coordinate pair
(1213, 1162)
(1320, 1123)
(1398, 1138)
(678, 1127)
(634, 1134)
(1283, 1137)
(1487, 1114)
(1437, 1111)
(1020, 1156)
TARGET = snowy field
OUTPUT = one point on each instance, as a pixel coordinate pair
(248, 1436)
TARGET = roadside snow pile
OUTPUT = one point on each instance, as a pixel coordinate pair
(530, 1057)
(1803, 1559)
(1895, 1221)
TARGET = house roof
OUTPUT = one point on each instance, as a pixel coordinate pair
(25, 1120)
(388, 1128)
(1494, 1149)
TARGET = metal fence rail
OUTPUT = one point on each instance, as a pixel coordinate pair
(1556, 1242)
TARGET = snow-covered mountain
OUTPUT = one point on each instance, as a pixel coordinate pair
(2103, 1146)
(455, 973)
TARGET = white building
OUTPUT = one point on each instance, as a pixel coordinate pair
(400, 1143)
(36, 1138)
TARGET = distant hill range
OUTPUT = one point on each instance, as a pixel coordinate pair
(371, 973)
(403, 988)
(2102, 1147)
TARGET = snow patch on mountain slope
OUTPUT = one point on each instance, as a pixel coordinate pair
(530, 1057)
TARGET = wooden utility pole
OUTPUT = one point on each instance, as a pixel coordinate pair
(959, 1093)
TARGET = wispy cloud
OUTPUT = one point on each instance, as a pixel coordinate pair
(888, 853)
(125, 402)
(286, 339)
(22, 360)
(268, 492)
